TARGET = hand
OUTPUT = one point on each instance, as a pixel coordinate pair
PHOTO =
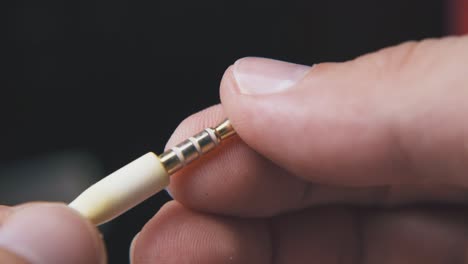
(47, 233)
(364, 161)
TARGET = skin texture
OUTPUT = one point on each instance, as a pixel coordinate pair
(358, 162)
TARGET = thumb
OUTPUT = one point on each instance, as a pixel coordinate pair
(47, 233)
(394, 116)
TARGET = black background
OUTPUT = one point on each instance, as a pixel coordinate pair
(114, 78)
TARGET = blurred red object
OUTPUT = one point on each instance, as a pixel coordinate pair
(458, 17)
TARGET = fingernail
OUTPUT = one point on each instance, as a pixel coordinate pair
(50, 233)
(265, 76)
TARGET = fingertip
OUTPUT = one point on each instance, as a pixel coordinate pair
(313, 123)
(229, 94)
(51, 233)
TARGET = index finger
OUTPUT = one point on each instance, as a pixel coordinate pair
(236, 180)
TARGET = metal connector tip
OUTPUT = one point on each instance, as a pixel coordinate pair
(224, 130)
(194, 147)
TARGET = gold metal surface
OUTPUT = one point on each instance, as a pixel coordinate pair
(224, 130)
(204, 141)
(170, 161)
(194, 147)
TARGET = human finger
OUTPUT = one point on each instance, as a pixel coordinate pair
(236, 180)
(328, 235)
(395, 116)
(49, 233)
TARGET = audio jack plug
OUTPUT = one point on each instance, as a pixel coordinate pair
(146, 176)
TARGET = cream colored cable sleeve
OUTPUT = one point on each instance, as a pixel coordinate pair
(122, 190)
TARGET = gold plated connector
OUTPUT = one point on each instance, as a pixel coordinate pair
(194, 147)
